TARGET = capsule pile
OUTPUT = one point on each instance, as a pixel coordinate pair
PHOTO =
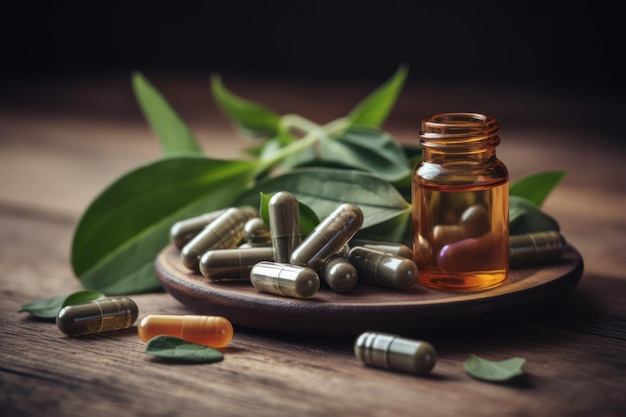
(236, 244)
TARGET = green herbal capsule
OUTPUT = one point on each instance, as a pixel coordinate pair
(185, 230)
(97, 316)
(395, 353)
(223, 233)
(256, 232)
(535, 248)
(284, 215)
(383, 268)
(390, 247)
(285, 279)
(328, 237)
(223, 264)
(340, 275)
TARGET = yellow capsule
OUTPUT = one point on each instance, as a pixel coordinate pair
(395, 353)
(224, 232)
(223, 264)
(383, 268)
(97, 316)
(328, 237)
(213, 331)
(284, 216)
(285, 279)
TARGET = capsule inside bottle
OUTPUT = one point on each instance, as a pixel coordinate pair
(97, 316)
(213, 331)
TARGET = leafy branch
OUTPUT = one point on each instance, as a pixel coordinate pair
(350, 159)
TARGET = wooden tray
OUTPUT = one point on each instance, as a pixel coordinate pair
(369, 307)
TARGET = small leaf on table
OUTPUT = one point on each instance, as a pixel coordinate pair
(494, 371)
(176, 349)
(48, 308)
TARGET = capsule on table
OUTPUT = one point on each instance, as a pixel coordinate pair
(389, 351)
(328, 237)
(535, 248)
(284, 218)
(391, 247)
(285, 279)
(340, 275)
(97, 316)
(383, 268)
(183, 231)
(224, 232)
(255, 231)
(213, 331)
(223, 264)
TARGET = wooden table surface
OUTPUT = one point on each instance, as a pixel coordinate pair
(63, 141)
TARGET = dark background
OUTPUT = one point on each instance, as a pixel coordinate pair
(559, 44)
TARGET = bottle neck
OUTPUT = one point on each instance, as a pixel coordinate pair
(461, 137)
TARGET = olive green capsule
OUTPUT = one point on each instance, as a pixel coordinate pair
(395, 353)
(223, 233)
(328, 237)
(340, 275)
(256, 232)
(383, 268)
(284, 216)
(183, 231)
(97, 316)
(391, 247)
(535, 248)
(221, 264)
(285, 279)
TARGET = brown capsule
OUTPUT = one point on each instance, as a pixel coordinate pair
(473, 254)
(328, 237)
(185, 230)
(224, 232)
(383, 268)
(391, 247)
(221, 264)
(97, 316)
(535, 248)
(255, 231)
(395, 353)
(284, 218)
(475, 220)
(285, 279)
(340, 275)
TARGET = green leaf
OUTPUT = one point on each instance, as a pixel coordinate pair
(536, 187)
(308, 218)
(179, 350)
(374, 109)
(127, 225)
(369, 150)
(173, 133)
(494, 371)
(48, 308)
(525, 217)
(324, 189)
(255, 119)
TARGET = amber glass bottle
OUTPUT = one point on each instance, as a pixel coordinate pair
(460, 202)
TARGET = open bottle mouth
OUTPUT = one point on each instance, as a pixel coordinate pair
(463, 130)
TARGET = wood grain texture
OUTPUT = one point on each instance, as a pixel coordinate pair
(60, 143)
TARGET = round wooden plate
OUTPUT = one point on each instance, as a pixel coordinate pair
(369, 307)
